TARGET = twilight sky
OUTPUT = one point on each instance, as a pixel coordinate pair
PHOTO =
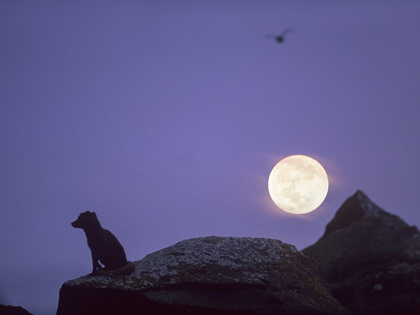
(166, 118)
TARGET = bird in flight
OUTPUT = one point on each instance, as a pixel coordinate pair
(280, 38)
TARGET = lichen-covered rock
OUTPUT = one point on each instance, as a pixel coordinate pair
(371, 259)
(211, 275)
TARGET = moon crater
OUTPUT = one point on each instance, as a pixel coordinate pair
(298, 184)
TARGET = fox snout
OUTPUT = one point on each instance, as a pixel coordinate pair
(76, 224)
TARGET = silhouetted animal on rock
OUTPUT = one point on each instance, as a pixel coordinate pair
(103, 244)
(280, 38)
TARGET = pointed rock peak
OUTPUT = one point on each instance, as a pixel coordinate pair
(352, 210)
(367, 205)
(359, 194)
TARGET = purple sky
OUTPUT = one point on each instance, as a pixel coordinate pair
(166, 118)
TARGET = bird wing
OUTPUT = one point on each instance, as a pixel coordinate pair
(286, 31)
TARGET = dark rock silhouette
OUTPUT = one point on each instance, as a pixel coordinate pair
(371, 259)
(210, 275)
(13, 310)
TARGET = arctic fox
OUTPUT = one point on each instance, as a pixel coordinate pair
(104, 246)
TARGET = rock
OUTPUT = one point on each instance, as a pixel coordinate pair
(13, 310)
(371, 259)
(211, 275)
(127, 269)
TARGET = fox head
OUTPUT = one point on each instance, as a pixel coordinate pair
(85, 220)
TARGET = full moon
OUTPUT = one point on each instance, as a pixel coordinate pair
(298, 184)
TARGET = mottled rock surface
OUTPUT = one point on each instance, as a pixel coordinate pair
(13, 310)
(211, 275)
(371, 259)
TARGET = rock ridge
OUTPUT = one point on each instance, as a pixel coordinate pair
(209, 275)
(371, 259)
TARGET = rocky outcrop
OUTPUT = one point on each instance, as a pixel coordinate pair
(371, 259)
(13, 310)
(211, 275)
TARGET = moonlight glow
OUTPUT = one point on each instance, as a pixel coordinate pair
(298, 184)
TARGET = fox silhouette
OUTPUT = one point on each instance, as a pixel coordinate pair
(104, 246)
